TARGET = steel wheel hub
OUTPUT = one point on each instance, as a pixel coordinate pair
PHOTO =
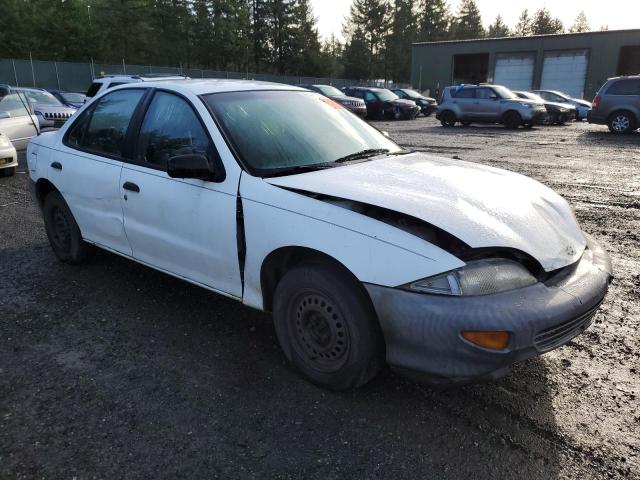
(319, 332)
(61, 229)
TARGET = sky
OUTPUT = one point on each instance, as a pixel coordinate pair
(621, 14)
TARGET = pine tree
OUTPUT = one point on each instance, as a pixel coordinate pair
(468, 22)
(306, 45)
(498, 28)
(543, 23)
(403, 34)
(524, 26)
(368, 22)
(356, 57)
(581, 24)
(434, 20)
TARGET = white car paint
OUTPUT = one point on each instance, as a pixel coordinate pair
(187, 228)
(480, 205)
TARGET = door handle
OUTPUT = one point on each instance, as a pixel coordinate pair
(132, 187)
(56, 165)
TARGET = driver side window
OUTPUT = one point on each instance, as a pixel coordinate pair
(170, 128)
(369, 97)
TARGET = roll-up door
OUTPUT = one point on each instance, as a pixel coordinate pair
(514, 70)
(565, 71)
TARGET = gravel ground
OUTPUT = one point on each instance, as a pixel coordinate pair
(113, 370)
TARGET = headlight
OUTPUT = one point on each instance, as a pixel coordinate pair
(526, 105)
(4, 141)
(479, 277)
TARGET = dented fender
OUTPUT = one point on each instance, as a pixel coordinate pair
(375, 252)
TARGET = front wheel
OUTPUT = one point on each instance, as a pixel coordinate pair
(448, 118)
(512, 120)
(327, 327)
(622, 122)
(63, 231)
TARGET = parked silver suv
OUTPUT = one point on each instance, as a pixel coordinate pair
(617, 105)
(488, 104)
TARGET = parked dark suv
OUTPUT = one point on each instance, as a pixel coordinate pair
(383, 103)
(617, 105)
(427, 105)
(354, 105)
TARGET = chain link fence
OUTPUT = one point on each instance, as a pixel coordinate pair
(76, 77)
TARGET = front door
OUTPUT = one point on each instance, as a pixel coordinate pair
(186, 227)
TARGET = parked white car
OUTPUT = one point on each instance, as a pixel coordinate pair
(280, 198)
(8, 157)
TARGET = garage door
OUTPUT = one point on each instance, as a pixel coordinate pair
(514, 70)
(565, 71)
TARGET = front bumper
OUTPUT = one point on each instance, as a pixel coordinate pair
(593, 117)
(423, 332)
(536, 117)
(428, 109)
(8, 157)
(360, 111)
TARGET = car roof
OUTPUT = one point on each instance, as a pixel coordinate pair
(206, 86)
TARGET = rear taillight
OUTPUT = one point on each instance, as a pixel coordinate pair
(596, 102)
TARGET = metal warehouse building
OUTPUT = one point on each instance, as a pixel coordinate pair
(576, 63)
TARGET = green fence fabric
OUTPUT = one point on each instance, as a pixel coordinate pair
(76, 77)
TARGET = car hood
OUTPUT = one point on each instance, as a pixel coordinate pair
(347, 99)
(582, 103)
(568, 106)
(44, 107)
(480, 205)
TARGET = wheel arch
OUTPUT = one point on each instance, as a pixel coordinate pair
(277, 263)
(43, 188)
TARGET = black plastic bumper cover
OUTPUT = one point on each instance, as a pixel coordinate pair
(422, 332)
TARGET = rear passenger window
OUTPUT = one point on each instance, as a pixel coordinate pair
(463, 93)
(170, 128)
(15, 103)
(625, 87)
(102, 130)
(93, 89)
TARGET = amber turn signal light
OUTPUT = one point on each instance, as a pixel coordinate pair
(498, 340)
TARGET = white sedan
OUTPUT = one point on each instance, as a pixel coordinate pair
(364, 252)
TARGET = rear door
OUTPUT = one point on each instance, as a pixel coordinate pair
(465, 99)
(186, 227)
(87, 168)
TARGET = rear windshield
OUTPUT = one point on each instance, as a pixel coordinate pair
(93, 89)
(630, 86)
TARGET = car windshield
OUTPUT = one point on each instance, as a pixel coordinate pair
(74, 97)
(504, 92)
(330, 91)
(44, 98)
(280, 132)
(412, 93)
(386, 95)
(531, 96)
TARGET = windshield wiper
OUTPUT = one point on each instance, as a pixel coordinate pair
(371, 152)
(299, 169)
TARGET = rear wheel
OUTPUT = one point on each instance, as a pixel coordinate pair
(512, 120)
(63, 231)
(622, 122)
(448, 118)
(327, 327)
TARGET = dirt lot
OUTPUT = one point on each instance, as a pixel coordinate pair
(113, 370)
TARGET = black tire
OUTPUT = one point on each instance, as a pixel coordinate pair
(448, 118)
(622, 122)
(7, 172)
(63, 231)
(512, 120)
(327, 327)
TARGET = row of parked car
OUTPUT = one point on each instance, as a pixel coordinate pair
(24, 112)
(617, 105)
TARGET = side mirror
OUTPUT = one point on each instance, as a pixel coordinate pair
(193, 165)
(4, 114)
